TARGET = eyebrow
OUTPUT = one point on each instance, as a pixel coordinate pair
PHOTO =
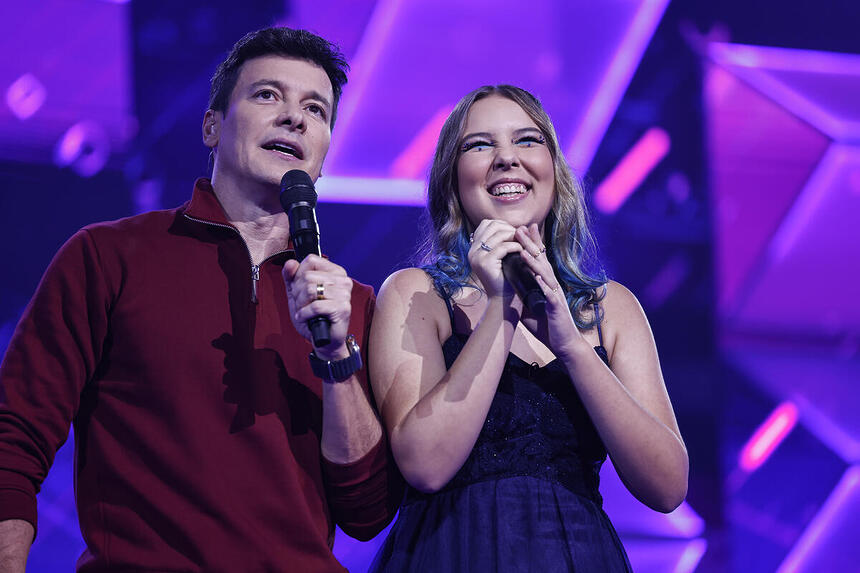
(312, 94)
(488, 135)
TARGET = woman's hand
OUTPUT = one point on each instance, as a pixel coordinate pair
(491, 242)
(556, 328)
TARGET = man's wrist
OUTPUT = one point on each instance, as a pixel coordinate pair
(337, 353)
(337, 370)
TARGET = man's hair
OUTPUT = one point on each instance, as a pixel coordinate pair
(280, 41)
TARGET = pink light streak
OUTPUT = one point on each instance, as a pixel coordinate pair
(413, 160)
(651, 148)
(608, 95)
(768, 437)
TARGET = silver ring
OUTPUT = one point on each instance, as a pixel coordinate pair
(486, 247)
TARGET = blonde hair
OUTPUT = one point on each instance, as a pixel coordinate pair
(567, 234)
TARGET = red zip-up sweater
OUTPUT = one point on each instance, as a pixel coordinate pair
(197, 418)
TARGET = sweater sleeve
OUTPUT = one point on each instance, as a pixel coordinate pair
(364, 495)
(53, 352)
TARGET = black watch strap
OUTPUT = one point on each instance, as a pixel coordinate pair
(338, 370)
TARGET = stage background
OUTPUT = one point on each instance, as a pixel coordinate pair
(720, 146)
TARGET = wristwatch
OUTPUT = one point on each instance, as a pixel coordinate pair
(338, 370)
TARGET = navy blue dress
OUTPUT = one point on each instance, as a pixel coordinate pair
(526, 498)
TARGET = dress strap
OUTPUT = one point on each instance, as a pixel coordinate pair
(447, 300)
(597, 319)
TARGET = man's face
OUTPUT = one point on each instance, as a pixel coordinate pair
(278, 119)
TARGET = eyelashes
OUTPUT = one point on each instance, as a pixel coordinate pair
(472, 145)
(525, 141)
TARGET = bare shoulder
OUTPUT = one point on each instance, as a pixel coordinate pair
(411, 296)
(403, 284)
(619, 302)
(623, 316)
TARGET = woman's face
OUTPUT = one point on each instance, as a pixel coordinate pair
(505, 169)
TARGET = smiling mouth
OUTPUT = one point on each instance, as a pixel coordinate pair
(284, 148)
(508, 189)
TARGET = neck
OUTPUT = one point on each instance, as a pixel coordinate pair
(264, 228)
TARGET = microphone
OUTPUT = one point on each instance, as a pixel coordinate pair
(518, 274)
(298, 198)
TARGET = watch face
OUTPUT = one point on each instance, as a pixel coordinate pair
(352, 344)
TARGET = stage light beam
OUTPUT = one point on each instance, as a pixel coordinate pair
(633, 168)
(768, 437)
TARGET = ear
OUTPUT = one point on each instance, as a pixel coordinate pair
(211, 127)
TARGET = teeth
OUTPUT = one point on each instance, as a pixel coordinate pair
(508, 189)
(282, 148)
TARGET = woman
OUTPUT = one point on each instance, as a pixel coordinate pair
(500, 419)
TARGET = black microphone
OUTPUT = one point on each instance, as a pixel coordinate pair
(298, 198)
(520, 276)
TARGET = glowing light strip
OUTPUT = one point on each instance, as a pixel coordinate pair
(632, 170)
(817, 189)
(754, 65)
(364, 64)
(691, 556)
(371, 191)
(668, 279)
(785, 59)
(618, 74)
(686, 521)
(768, 437)
(826, 429)
(804, 548)
(414, 159)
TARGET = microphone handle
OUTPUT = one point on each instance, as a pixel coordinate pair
(518, 274)
(305, 242)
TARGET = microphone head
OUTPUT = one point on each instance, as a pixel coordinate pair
(297, 187)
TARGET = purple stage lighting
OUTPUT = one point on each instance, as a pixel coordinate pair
(85, 147)
(25, 96)
(383, 126)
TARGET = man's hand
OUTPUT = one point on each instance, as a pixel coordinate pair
(308, 299)
(16, 535)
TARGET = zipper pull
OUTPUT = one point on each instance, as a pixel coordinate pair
(255, 277)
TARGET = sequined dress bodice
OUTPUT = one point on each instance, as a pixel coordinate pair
(536, 426)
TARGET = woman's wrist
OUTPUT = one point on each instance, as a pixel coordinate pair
(575, 350)
(505, 307)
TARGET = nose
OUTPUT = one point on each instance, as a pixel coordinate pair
(291, 117)
(506, 157)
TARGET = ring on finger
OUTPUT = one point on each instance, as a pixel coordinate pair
(539, 253)
(486, 247)
(320, 291)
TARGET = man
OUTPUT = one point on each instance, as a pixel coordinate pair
(176, 342)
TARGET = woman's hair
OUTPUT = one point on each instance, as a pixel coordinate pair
(569, 242)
